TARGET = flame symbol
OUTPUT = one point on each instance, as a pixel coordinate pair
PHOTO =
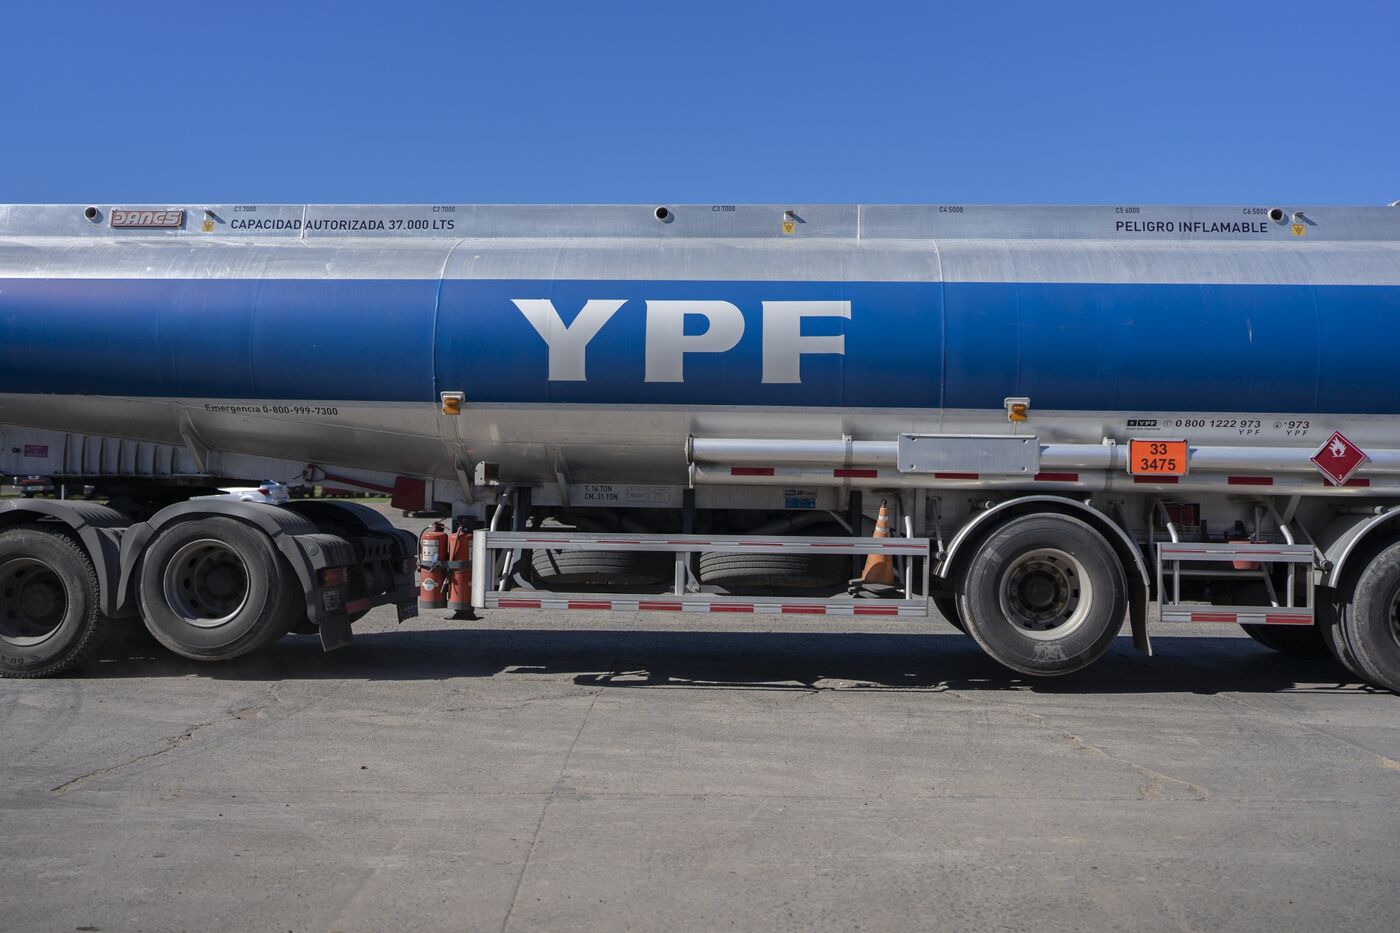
(1339, 450)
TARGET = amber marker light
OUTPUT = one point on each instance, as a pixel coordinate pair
(452, 402)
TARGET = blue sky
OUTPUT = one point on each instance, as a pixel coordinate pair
(1064, 102)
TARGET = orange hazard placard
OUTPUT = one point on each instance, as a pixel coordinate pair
(1156, 457)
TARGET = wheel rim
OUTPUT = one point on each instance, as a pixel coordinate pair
(1046, 593)
(206, 583)
(1395, 618)
(33, 602)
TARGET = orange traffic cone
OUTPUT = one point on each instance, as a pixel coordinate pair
(879, 568)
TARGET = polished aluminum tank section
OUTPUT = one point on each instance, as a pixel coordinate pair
(600, 337)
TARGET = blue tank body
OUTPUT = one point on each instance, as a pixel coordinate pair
(924, 345)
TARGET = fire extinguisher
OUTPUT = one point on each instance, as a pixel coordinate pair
(432, 575)
(459, 574)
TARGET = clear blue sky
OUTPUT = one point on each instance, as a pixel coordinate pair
(714, 101)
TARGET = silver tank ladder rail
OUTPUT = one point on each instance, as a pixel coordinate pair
(490, 550)
(1171, 556)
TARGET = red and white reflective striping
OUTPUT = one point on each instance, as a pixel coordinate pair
(558, 601)
(1239, 615)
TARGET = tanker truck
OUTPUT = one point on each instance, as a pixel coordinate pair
(1042, 422)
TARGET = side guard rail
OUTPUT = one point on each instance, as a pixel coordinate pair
(495, 552)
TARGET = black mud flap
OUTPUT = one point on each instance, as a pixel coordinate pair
(407, 611)
(1137, 617)
(335, 633)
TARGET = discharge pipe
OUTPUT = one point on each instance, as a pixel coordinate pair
(847, 452)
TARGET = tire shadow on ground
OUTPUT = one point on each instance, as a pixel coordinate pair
(642, 659)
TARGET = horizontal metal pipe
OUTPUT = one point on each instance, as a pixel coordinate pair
(1289, 484)
(726, 475)
(745, 450)
(1281, 459)
(1263, 460)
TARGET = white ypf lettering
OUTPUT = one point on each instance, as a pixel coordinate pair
(567, 343)
(667, 343)
(784, 343)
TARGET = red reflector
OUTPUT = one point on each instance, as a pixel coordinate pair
(865, 474)
(750, 471)
(1057, 477)
(1350, 482)
(519, 604)
(334, 576)
(1156, 479)
(1213, 617)
(805, 610)
(721, 607)
(1250, 480)
(659, 607)
(590, 604)
(876, 611)
(955, 476)
(1287, 620)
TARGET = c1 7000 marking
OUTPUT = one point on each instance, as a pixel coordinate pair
(233, 408)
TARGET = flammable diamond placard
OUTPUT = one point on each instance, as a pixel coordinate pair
(1338, 458)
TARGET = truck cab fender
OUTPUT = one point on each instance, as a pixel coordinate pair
(305, 548)
(367, 520)
(98, 528)
(964, 543)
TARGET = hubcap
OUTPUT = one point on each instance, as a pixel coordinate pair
(33, 602)
(206, 583)
(1046, 593)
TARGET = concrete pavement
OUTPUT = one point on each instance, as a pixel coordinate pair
(537, 772)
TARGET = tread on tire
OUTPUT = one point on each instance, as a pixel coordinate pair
(271, 600)
(1370, 621)
(1044, 594)
(49, 616)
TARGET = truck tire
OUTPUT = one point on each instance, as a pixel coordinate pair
(1329, 615)
(775, 571)
(1370, 623)
(947, 607)
(1305, 642)
(594, 568)
(1044, 595)
(49, 619)
(212, 589)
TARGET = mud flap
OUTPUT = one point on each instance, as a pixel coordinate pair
(335, 632)
(1137, 616)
